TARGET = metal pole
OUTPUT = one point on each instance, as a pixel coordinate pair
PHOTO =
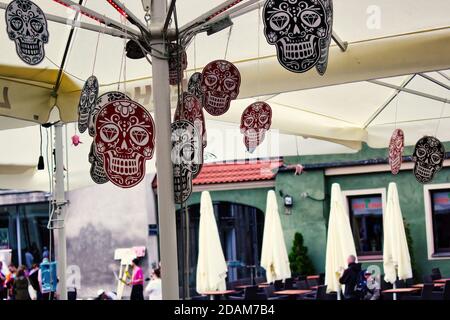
(61, 210)
(186, 252)
(19, 236)
(166, 206)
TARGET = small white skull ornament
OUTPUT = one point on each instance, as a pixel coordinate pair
(124, 138)
(429, 154)
(27, 27)
(220, 84)
(255, 121)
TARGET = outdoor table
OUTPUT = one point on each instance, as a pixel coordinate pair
(292, 293)
(401, 291)
(313, 277)
(436, 284)
(444, 280)
(218, 294)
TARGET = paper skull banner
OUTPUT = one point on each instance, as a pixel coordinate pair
(186, 158)
(100, 103)
(97, 172)
(124, 138)
(255, 121)
(301, 32)
(194, 86)
(429, 154)
(190, 109)
(220, 84)
(87, 102)
(26, 25)
(396, 146)
(177, 63)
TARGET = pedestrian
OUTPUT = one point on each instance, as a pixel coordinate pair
(137, 281)
(153, 288)
(9, 282)
(373, 286)
(20, 285)
(350, 278)
(33, 277)
(29, 259)
(3, 294)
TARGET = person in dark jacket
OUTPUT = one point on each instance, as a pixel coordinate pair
(350, 278)
(21, 285)
(33, 277)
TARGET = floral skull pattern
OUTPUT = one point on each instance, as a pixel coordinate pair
(27, 26)
(124, 138)
(97, 172)
(396, 146)
(301, 31)
(255, 121)
(429, 154)
(87, 102)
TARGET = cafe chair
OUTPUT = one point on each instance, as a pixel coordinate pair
(288, 284)
(278, 285)
(436, 274)
(427, 293)
(250, 293)
(270, 295)
(446, 292)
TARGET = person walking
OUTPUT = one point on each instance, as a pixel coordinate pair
(3, 294)
(9, 282)
(33, 277)
(20, 285)
(153, 288)
(350, 278)
(137, 281)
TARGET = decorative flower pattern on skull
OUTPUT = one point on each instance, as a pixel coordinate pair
(301, 31)
(27, 26)
(177, 63)
(186, 158)
(429, 154)
(396, 146)
(255, 121)
(220, 84)
(87, 102)
(124, 138)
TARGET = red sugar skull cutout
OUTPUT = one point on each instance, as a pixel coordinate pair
(220, 84)
(255, 121)
(124, 138)
(190, 109)
(177, 63)
(396, 147)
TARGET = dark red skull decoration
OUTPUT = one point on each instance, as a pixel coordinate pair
(220, 84)
(396, 147)
(124, 138)
(190, 109)
(177, 63)
(255, 121)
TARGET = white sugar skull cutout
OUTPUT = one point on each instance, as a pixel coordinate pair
(220, 84)
(186, 158)
(300, 30)
(177, 63)
(97, 172)
(27, 27)
(87, 102)
(396, 146)
(124, 138)
(429, 154)
(255, 121)
(100, 103)
(194, 86)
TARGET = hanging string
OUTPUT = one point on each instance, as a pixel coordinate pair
(96, 50)
(228, 41)
(195, 53)
(396, 110)
(123, 58)
(259, 54)
(439, 121)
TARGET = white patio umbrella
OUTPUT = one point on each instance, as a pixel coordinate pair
(396, 259)
(211, 265)
(340, 242)
(274, 256)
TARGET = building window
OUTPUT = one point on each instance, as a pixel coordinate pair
(440, 217)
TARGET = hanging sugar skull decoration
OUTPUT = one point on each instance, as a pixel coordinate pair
(396, 146)
(101, 102)
(125, 140)
(194, 86)
(186, 158)
(87, 102)
(97, 172)
(429, 154)
(301, 31)
(177, 63)
(27, 27)
(255, 121)
(220, 84)
(190, 109)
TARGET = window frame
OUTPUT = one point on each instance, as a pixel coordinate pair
(366, 192)
(427, 190)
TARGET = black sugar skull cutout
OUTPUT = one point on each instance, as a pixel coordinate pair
(301, 31)
(87, 102)
(26, 25)
(429, 154)
(97, 172)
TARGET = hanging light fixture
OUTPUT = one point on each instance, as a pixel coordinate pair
(40, 165)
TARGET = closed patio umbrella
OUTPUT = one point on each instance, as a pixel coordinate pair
(274, 258)
(396, 259)
(340, 242)
(211, 265)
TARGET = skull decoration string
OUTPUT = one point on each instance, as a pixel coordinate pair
(429, 154)
(396, 147)
(301, 32)
(255, 121)
(124, 139)
(27, 27)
